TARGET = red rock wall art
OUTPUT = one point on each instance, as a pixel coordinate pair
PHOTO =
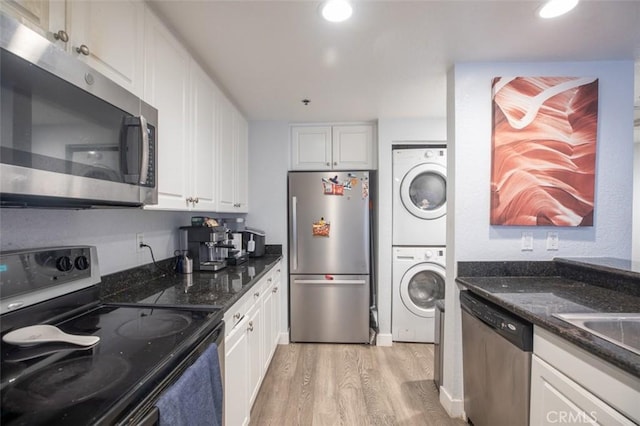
(543, 150)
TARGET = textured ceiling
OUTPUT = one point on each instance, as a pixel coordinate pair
(391, 58)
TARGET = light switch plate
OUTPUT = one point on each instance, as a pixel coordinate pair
(527, 241)
(552, 240)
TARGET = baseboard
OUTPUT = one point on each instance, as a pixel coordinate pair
(384, 340)
(284, 338)
(453, 407)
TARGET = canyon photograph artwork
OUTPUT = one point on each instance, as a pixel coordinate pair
(543, 151)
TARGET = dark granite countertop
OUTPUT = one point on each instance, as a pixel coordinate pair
(621, 267)
(537, 298)
(204, 290)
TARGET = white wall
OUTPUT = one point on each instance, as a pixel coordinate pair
(471, 238)
(268, 166)
(635, 249)
(112, 231)
(389, 131)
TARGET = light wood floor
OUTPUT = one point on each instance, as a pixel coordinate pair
(334, 384)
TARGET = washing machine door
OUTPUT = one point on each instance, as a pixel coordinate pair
(423, 191)
(421, 286)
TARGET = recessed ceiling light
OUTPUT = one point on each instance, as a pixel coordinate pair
(337, 10)
(554, 8)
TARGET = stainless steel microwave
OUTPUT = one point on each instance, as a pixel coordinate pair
(70, 137)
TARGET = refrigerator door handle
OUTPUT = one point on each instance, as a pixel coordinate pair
(294, 226)
(353, 282)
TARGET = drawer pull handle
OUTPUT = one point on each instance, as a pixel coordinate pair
(275, 290)
(250, 328)
(236, 316)
(256, 294)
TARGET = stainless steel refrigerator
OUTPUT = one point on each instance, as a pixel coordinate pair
(330, 256)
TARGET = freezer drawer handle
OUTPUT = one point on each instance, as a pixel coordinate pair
(354, 282)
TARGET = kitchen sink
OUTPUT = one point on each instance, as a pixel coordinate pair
(621, 329)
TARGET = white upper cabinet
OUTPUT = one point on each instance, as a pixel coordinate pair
(203, 138)
(107, 35)
(188, 104)
(167, 88)
(226, 169)
(241, 184)
(35, 14)
(337, 147)
(233, 139)
(353, 147)
(311, 148)
(203, 141)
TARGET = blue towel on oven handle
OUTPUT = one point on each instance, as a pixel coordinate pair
(196, 398)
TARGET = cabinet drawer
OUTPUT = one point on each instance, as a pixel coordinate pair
(236, 313)
(558, 399)
(608, 383)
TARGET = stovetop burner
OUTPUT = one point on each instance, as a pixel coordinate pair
(66, 383)
(153, 326)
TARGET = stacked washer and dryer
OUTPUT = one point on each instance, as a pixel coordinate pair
(419, 239)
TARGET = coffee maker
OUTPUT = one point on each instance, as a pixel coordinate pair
(208, 247)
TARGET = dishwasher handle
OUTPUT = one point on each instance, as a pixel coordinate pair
(516, 330)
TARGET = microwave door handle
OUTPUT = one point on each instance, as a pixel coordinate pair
(144, 158)
(131, 155)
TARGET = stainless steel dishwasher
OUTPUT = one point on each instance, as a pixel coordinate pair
(496, 352)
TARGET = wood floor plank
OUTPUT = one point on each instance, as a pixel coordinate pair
(334, 384)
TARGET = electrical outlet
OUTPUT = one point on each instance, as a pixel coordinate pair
(552, 240)
(139, 241)
(527, 241)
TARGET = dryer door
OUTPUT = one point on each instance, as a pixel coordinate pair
(423, 191)
(421, 286)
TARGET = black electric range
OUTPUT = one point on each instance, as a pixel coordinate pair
(141, 351)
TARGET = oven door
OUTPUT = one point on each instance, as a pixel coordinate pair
(68, 134)
(146, 413)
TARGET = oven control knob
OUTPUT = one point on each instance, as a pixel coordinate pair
(64, 264)
(82, 263)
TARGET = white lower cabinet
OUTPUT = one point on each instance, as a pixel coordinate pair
(267, 315)
(276, 308)
(571, 386)
(251, 338)
(255, 332)
(236, 391)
